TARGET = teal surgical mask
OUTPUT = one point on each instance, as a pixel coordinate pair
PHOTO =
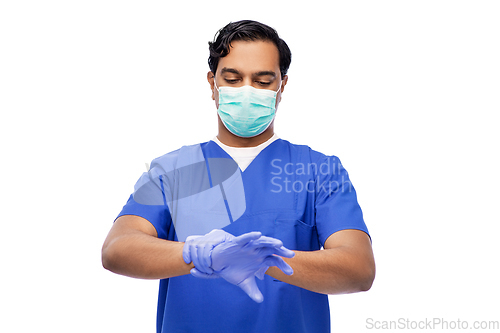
(246, 111)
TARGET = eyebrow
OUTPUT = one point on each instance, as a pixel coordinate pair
(235, 71)
(262, 73)
(229, 70)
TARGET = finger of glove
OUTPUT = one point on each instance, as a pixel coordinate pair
(186, 251)
(188, 248)
(280, 263)
(203, 261)
(199, 260)
(261, 272)
(267, 242)
(218, 236)
(246, 238)
(249, 286)
(272, 243)
(284, 252)
(198, 274)
(267, 251)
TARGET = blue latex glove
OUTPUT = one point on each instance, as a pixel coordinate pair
(198, 249)
(236, 259)
(239, 261)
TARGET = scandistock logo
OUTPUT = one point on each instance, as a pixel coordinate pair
(201, 194)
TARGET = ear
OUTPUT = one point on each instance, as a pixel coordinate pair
(210, 79)
(284, 82)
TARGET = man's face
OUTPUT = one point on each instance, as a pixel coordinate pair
(252, 63)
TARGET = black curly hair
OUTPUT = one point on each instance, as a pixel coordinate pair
(247, 30)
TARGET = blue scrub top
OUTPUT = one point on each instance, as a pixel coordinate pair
(292, 193)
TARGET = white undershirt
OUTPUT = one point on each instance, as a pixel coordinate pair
(243, 156)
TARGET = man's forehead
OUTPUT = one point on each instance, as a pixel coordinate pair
(251, 57)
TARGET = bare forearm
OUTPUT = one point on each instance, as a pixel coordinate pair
(139, 255)
(330, 271)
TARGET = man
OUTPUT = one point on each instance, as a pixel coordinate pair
(231, 209)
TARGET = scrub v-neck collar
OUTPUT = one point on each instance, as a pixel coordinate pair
(244, 156)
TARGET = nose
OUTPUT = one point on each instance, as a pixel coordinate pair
(248, 82)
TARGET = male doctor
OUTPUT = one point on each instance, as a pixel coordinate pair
(246, 232)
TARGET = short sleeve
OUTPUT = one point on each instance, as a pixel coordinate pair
(157, 215)
(336, 205)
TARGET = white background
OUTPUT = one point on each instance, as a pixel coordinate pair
(406, 93)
